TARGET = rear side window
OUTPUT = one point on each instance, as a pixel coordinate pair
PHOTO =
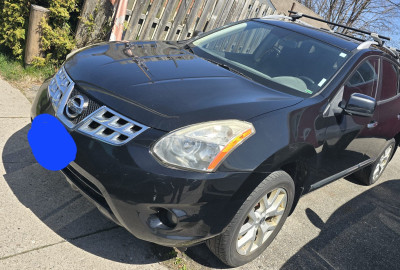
(365, 74)
(390, 80)
(364, 80)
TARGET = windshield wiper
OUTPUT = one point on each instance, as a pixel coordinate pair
(188, 48)
(229, 68)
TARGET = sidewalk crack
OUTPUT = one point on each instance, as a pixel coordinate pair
(60, 242)
(93, 233)
(30, 250)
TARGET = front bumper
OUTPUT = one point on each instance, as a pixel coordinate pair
(130, 187)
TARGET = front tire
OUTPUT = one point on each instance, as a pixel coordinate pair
(257, 222)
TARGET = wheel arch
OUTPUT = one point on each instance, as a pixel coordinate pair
(297, 167)
(397, 139)
(291, 159)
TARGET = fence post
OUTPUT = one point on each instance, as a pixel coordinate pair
(95, 22)
(118, 27)
(33, 45)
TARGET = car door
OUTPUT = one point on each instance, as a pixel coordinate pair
(347, 138)
(388, 106)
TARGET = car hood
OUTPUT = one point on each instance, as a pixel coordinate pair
(165, 87)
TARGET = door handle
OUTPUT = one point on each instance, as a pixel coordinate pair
(372, 124)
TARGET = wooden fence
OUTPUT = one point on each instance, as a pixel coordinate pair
(178, 19)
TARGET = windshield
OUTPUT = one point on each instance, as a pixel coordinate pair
(278, 58)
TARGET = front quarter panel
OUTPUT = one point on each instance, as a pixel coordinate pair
(272, 134)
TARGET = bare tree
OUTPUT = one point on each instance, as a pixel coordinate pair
(372, 15)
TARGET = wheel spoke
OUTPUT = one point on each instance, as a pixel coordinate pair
(248, 249)
(274, 196)
(386, 156)
(245, 228)
(279, 211)
(265, 227)
(282, 200)
(387, 152)
(265, 231)
(377, 171)
(254, 215)
(275, 209)
(383, 161)
(249, 236)
(260, 236)
(265, 200)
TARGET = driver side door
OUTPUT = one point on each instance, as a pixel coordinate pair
(347, 138)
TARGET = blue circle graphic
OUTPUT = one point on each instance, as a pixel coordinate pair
(51, 144)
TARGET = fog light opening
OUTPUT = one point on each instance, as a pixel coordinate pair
(167, 217)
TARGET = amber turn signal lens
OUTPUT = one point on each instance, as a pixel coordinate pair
(229, 147)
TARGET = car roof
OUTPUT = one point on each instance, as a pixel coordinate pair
(334, 39)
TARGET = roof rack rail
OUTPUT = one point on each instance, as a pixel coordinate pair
(378, 38)
(331, 31)
(356, 38)
(366, 44)
(395, 52)
(283, 17)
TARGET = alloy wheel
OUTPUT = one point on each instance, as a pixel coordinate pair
(261, 221)
(383, 161)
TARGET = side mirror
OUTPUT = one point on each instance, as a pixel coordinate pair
(360, 104)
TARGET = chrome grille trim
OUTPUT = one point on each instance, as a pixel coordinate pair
(115, 129)
(92, 107)
(59, 88)
(108, 129)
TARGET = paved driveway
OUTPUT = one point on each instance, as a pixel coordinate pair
(46, 225)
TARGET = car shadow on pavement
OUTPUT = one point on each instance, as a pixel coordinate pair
(364, 233)
(48, 195)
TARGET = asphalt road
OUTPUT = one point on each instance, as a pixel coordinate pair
(44, 224)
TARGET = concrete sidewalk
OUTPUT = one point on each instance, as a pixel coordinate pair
(43, 223)
(46, 225)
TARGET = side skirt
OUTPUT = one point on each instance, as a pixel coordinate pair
(340, 175)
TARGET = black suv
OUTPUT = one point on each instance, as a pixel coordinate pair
(215, 139)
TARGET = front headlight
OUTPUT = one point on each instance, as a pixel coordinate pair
(202, 146)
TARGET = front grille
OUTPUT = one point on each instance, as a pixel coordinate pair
(109, 126)
(86, 186)
(59, 88)
(92, 106)
(89, 117)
